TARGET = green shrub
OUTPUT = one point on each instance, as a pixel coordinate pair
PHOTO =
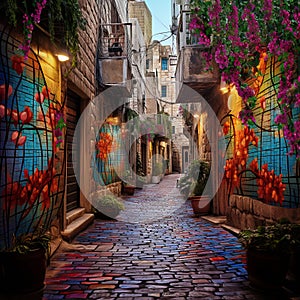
(109, 205)
(194, 181)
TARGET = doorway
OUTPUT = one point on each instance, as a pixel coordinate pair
(72, 117)
(185, 158)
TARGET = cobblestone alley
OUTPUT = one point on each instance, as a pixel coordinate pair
(176, 257)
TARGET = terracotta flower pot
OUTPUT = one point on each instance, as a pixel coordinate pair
(128, 190)
(200, 204)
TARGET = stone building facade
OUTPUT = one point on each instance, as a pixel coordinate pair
(205, 104)
(140, 11)
(161, 65)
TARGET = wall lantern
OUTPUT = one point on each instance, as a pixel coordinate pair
(224, 87)
(62, 55)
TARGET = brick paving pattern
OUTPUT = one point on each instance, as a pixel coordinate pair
(177, 257)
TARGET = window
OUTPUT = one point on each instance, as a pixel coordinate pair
(164, 91)
(147, 64)
(173, 129)
(164, 64)
(186, 156)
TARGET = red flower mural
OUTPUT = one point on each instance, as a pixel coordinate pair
(18, 139)
(46, 92)
(39, 97)
(18, 63)
(104, 145)
(5, 91)
(38, 187)
(26, 115)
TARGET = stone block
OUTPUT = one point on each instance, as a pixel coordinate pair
(230, 212)
(250, 222)
(266, 210)
(257, 208)
(232, 201)
(239, 202)
(258, 221)
(237, 219)
(243, 221)
(247, 204)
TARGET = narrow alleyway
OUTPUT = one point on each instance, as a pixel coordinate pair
(177, 257)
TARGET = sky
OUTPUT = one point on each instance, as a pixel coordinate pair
(161, 19)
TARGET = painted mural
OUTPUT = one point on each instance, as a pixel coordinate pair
(31, 145)
(259, 164)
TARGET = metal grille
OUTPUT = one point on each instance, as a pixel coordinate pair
(272, 147)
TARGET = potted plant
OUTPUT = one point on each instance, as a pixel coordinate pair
(156, 172)
(23, 267)
(28, 206)
(268, 250)
(192, 185)
(294, 263)
(140, 178)
(127, 184)
(108, 205)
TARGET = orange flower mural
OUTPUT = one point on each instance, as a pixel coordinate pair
(104, 145)
(262, 102)
(270, 186)
(226, 128)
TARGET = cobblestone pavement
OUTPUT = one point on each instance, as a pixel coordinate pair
(177, 257)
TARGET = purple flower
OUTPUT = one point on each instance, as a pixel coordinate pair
(221, 57)
(281, 119)
(267, 8)
(57, 132)
(246, 115)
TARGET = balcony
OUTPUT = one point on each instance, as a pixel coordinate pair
(114, 58)
(191, 70)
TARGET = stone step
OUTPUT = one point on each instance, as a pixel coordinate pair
(235, 231)
(74, 214)
(77, 226)
(215, 219)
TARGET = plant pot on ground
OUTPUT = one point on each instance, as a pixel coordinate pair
(128, 189)
(200, 204)
(157, 170)
(268, 251)
(294, 263)
(23, 268)
(108, 206)
(192, 185)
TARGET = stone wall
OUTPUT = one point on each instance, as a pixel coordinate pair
(141, 11)
(82, 78)
(245, 212)
(114, 188)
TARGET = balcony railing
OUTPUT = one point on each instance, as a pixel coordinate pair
(115, 54)
(192, 69)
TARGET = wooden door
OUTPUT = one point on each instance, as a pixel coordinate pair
(73, 113)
